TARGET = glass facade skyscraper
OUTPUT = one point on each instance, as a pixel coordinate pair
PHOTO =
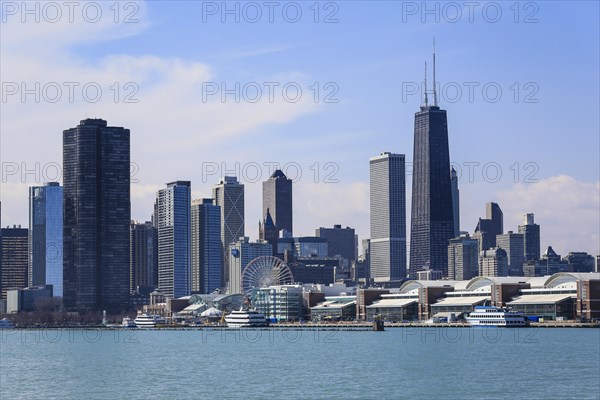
(143, 256)
(13, 259)
(46, 237)
(96, 216)
(432, 219)
(229, 195)
(277, 198)
(174, 239)
(388, 217)
(207, 255)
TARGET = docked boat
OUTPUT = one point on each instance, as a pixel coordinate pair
(6, 323)
(245, 319)
(128, 323)
(496, 316)
(146, 321)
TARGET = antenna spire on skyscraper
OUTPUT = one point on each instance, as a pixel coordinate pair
(425, 91)
(435, 103)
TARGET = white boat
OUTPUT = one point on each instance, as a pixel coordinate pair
(146, 321)
(128, 323)
(245, 319)
(6, 323)
(496, 316)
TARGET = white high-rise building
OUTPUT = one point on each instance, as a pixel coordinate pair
(174, 239)
(388, 217)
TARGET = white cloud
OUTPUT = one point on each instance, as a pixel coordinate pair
(331, 203)
(173, 128)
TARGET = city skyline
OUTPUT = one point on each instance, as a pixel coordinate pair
(190, 181)
(384, 116)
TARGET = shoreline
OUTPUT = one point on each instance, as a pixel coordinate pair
(308, 327)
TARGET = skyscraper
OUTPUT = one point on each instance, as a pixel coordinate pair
(531, 237)
(277, 198)
(513, 244)
(96, 215)
(229, 195)
(388, 217)
(46, 237)
(494, 214)
(207, 255)
(432, 219)
(463, 254)
(489, 227)
(174, 239)
(494, 262)
(13, 250)
(455, 202)
(143, 256)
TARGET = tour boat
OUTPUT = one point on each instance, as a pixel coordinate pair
(146, 321)
(496, 316)
(245, 319)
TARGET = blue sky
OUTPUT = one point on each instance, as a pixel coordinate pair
(372, 54)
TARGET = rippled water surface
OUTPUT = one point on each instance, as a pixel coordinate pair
(453, 363)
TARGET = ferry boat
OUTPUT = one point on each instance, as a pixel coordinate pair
(146, 321)
(245, 319)
(496, 316)
(6, 323)
(128, 323)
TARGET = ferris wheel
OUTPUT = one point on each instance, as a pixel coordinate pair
(265, 271)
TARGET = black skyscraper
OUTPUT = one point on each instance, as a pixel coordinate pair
(432, 222)
(97, 213)
(277, 198)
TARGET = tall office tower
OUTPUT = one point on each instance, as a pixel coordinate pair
(455, 202)
(277, 198)
(494, 262)
(46, 237)
(13, 245)
(340, 241)
(388, 217)
(242, 252)
(513, 244)
(207, 255)
(432, 219)
(229, 195)
(531, 237)
(174, 239)
(96, 216)
(463, 258)
(143, 256)
(490, 227)
(268, 232)
(494, 214)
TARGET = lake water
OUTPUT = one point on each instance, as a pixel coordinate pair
(432, 363)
